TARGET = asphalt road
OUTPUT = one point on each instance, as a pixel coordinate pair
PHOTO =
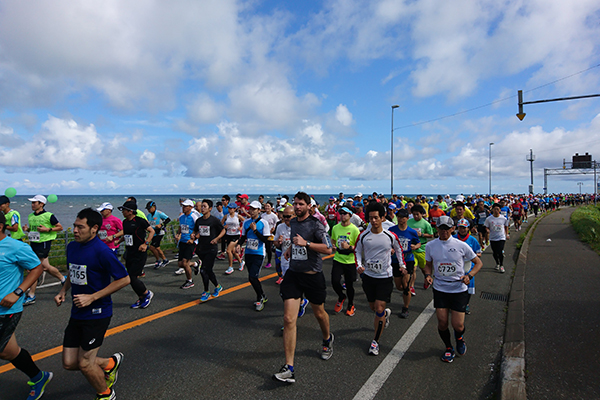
(223, 348)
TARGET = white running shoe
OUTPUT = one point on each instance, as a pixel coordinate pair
(180, 271)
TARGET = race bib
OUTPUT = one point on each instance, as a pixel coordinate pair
(204, 230)
(418, 230)
(299, 253)
(285, 245)
(374, 265)
(497, 228)
(128, 240)
(34, 236)
(102, 235)
(78, 274)
(162, 232)
(185, 229)
(342, 239)
(446, 269)
(252, 244)
(404, 244)
(516, 213)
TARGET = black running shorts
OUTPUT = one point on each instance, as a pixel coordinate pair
(8, 324)
(454, 301)
(297, 284)
(41, 249)
(156, 239)
(186, 251)
(410, 268)
(85, 333)
(378, 288)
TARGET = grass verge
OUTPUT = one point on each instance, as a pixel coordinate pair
(586, 222)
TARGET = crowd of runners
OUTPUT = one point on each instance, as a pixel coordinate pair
(384, 241)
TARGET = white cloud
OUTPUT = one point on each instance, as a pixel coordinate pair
(147, 159)
(5, 130)
(343, 116)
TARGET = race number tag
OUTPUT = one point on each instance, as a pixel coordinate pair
(78, 274)
(252, 244)
(404, 243)
(185, 229)
(374, 265)
(497, 228)
(34, 236)
(162, 232)
(446, 269)
(128, 240)
(102, 235)
(418, 230)
(204, 230)
(299, 253)
(342, 239)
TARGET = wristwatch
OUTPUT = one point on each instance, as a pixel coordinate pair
(19, 292)
(307, 244)
(470, 276)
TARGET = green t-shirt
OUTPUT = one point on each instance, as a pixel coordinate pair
(13, 217)
(423, 227)
(340, 234)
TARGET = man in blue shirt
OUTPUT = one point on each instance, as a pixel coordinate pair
(158, 221)
(94, 274)
(15, 258)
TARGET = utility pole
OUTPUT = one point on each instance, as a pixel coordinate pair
(531, 159)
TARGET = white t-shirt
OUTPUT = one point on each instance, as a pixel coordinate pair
(448, 258)
(496, 226)
(377, 249)
(284, 231)
(270, 218)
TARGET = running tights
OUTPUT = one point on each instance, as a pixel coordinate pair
(349, 273)
(497, 250)
(206, 270)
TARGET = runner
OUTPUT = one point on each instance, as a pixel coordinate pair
(445, 260)
(331, 211)
(13, 219)
(425, 231)
(42, 229)
(17, 257)
(232, 222)
(481, 214)
(497, 226)
(91, 267)
(110, 226)
(208, 230)
(138, 212)
(282, 240)
(304, 277)
(517, 214)
(187, 221)
(409, 241)
(255, 232)
(464, 236)
(158, 221)
(136, 246)
(272, 219)
(343, 236)
(375, 268)
(225, 204)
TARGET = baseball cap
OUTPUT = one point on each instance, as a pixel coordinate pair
(445, 221)
(436, 203)
(4, 199)
(392, 206)
(128, 205)
(38, 197)
(188, 202)
(347, 210)
(460, 197)
(243, 196)
(150, 204)
(105, 206)
(358, 194)
(232, 205)
(463, 222)
(402, 213)
(313, 202)
(331, 198)
(256, 204)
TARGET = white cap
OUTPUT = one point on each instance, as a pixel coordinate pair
(104, 206)
(188, 202)
(460, 197)
(38, 197)
(358, 194)
(313, 202)
(256, 204)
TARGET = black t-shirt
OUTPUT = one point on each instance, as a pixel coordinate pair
(135, 232)
(207, 230)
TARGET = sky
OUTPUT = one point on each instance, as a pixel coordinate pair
(225, 96)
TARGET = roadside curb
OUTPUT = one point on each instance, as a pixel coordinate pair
(512, 371)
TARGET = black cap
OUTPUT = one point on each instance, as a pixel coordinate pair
(402, 213)
(4, 200)
(150, 204)
(129, 205)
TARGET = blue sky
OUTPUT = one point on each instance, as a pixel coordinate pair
(224, 96)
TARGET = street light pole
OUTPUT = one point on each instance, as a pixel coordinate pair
(580, 184)
(392, 154)
(490, 191)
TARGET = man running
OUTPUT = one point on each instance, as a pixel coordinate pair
(92, 265)
(304, 278)
(42, 229)
(158, 221)
(13, 219)
(187, 222)
(17, 257)
(497, 226)
(374, 263)
(445, 258)
(111, 225)
(208, 230)
(343, 236)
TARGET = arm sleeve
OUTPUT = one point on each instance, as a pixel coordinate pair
(358, 252)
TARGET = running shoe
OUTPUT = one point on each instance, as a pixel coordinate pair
(136, 304)
(327, 349)
(37, 388)
(221, 256)
(351, 311)
(187, 285)
(146, 302)
(29, 300)
(111, 376)
(285, 374)
(497, 268)
(412, 291)
(339, 305)
(388, 312)
(502, 269)
(448, 355)
(344, 285)
(242, 264)
(196, 268)
(111, 396)
(260, 305)
(374, 348)
(302, 308)
(205, 296)
(229, 271)
(461, 347)
(217, 291)
(180, 271)
(278, 281)
(426, 285)
(404, 313)
(157, 265)
(164, 263)
(268, 265)
(143, 274)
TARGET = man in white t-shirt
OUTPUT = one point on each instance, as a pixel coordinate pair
(445, 258)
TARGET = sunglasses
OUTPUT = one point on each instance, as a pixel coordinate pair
(343, 213)
(287, 216)
(445, 228)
